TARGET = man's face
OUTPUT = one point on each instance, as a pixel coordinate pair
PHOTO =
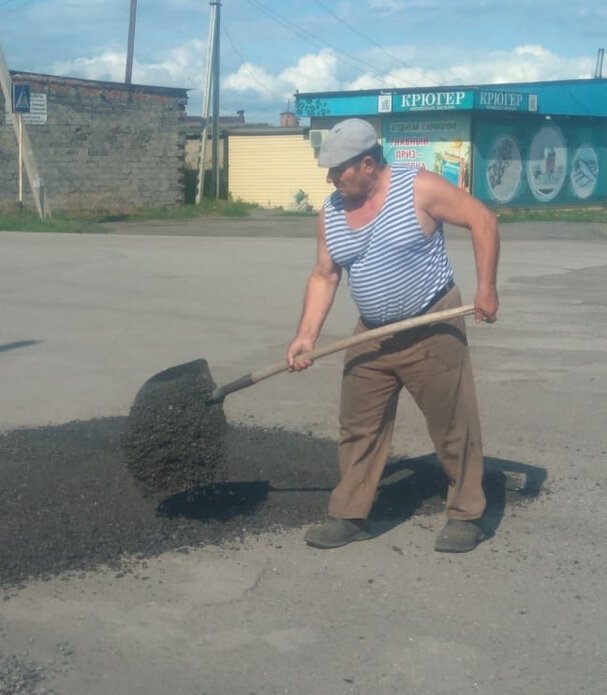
(348, 179)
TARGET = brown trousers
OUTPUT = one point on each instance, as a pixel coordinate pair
(433, 364)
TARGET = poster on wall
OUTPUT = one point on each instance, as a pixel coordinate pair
(504, 169)
(584, 171)
(547, 163)
(539, 162)
(438, 142)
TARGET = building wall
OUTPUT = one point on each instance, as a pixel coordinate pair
(531, 161)
(192, 153)
(271, 170)
(102, 147)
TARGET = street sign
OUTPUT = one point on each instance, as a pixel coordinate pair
(38, 110)
(21, 98)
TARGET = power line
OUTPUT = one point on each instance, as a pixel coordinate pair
(350, 60)
(310, 38)
(361, 34)
(16, 9)
(244, 66)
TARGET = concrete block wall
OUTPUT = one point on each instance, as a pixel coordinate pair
(105, 146)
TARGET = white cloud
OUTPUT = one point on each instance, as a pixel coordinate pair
(398, 78)
(252, 78)
(181, 66)
(528, 63)
(311, 73)
(109, 65)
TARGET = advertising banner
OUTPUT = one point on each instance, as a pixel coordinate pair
(438, 142)
(539, 162)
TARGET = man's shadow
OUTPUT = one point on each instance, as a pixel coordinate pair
(408, 487)
(418, 486)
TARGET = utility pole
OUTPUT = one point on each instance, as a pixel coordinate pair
(27, 153)
(598, 71)
(215, 151)
(131, 43)
(211, 95)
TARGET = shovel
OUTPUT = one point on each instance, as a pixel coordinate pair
(390, 329)
(173, 438)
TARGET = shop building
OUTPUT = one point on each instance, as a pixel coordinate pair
(511, 145)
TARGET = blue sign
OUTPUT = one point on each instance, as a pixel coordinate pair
(21, 98)
(495, 100)
(438, 100)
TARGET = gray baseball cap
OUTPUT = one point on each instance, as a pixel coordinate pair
(346, 140)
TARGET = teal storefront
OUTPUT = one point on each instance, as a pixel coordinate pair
(527, 144)
(531, 161)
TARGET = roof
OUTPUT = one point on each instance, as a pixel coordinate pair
(265, 129)
(583, 97)
(195, 124)
(508, 86)
(39, 78)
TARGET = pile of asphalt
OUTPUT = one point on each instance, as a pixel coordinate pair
(69, 503)
(173, 440)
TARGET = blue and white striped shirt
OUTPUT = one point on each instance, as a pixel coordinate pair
(394, 267)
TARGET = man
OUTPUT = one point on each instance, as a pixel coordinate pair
(384, 226)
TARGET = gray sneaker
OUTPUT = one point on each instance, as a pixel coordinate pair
(337, 532)
(459, 536)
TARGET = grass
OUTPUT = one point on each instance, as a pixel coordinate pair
(226, 208)
(581, 214)
(281, 212)
(27, 221)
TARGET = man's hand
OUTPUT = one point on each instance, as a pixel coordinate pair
(486, 304)
(297, 347)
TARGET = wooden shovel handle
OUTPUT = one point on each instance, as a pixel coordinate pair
(338, 345)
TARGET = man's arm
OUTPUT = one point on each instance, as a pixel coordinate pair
(436, 200)
(318, 298)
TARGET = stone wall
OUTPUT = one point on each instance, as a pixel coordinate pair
(104, 146)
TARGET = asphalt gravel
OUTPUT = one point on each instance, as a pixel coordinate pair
(174, 440)
(69, 503)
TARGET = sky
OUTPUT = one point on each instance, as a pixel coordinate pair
(272, 48)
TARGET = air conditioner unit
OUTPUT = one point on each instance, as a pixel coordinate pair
(317, 137)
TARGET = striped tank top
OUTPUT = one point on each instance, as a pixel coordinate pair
(394, 268)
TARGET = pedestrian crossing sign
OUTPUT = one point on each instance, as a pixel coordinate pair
(21, 98)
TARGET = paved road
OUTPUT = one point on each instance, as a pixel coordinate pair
(87, 319)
